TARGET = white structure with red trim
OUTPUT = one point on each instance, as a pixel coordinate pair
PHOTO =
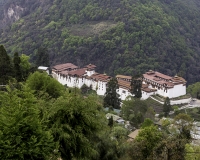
(153, 82)
(72, 76)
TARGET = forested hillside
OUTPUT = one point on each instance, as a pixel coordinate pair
(118, 36)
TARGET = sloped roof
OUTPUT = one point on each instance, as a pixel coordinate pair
(133, 134)
(78, 72)
(124, 77)
(90, 66)
(100, 77)
(124, 84)
(65, 66)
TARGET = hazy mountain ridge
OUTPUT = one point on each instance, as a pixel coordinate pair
(118, 36)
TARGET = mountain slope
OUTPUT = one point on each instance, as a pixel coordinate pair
(119, 36)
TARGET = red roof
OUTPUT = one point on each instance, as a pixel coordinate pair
(78, 72)
(123, 77)
(66, 66)
(124, 84)
(100, 77)
(90, 66)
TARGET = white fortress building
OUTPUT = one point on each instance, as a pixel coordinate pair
(72, 76)
(153, 82)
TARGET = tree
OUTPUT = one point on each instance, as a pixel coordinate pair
(41, 82)
(184, 125)
(147, 122)
(166, 107)
(110, 122)
(111, 98)
(23, 134)
(17, 69)
(144, 144)
(25, 66)
(74, 121)
(5, 66)
(136, 85)
(42, 57)
(172, 147)
(134, 110)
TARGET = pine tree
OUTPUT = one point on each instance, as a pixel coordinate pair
(136, 85)
(166, 107)
(17, 69)
(5, 66)
(110, 122)
(42, 57)
(111, 96)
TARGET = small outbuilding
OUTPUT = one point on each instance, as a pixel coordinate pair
(133, 134)
(43, 68)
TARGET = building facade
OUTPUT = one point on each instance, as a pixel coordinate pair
(152, 82)
(72, 76)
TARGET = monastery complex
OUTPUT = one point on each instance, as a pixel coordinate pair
(153, 82)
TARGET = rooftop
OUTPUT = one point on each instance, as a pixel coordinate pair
(78, 72)
(43, 68)
(65, 66)
(100, 77)
(90, 66)
(163, 80)
(133, 134)
(123, 77)
(124, 84)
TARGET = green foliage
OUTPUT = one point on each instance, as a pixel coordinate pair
(25, 66)
(194, 90)
(136, 85)
(74, 120)
(192, 152)
(147, 123)
(129, 43)
(41, 82)
(184, 125)
(166, 107)
(5, 65)
(110, 121)
(17, 69)
(134, 111)
(42, 57)
(111, 98)
(23, 135)
(144, 144)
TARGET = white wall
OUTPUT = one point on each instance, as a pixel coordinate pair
(89, 73)
(177, 91)
(182, 101)
(123, 93)
(146, 95)
(101, 88)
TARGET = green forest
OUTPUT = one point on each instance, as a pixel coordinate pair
(118, 36)
(41, 119)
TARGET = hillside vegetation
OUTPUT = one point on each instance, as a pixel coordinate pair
(119, 36)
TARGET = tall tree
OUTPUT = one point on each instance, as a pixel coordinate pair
(17, 69)
(145, 142)
(136, 85)
(166, 107)
(25, 66)
(42, 57)
(5, 66)
(41, 82)
(134, 111)
(23, 134)
(74, 121)
(111, 96)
